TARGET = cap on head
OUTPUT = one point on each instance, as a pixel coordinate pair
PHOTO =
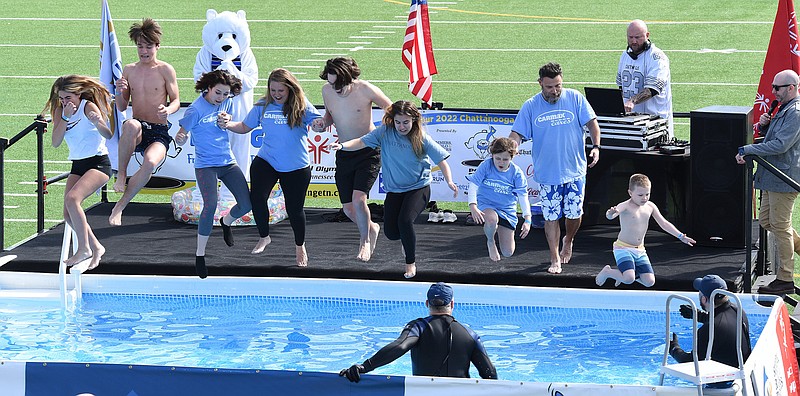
(708, 284)
(440, 294)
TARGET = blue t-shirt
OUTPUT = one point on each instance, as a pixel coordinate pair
(499, 190)
(402, 169)
(559, 153)
(211, 144)
(283, 147)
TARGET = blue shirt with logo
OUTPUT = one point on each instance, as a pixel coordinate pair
(559, 154)
(499, 190)
(401, 168)
(283, 147)
(211, 145)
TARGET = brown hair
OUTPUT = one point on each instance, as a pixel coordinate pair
(295, 107)
(85, 87)
(416, 135)
(503, 145)
(345, 69)
(638, 180)
(148, 31)
(210, 79)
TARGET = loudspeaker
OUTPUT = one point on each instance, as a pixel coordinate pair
(717, 195)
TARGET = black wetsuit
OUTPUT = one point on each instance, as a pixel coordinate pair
(440, 347)
(724, 338)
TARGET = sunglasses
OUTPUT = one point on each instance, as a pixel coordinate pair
(778, 87)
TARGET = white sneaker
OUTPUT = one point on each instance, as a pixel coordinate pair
(449, 217)
(435, 217)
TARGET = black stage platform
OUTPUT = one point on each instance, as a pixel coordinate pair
(150, 241)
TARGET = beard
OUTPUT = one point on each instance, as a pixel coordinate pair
(552, 99)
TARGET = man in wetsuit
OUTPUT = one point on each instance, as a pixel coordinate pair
(724, 349)
(440, 346)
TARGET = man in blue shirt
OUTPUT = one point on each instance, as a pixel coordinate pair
(555, 119)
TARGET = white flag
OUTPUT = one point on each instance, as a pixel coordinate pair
(110, 72)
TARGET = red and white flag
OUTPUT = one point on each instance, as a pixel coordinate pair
(110, 72)
(418, 51)
(783, 53)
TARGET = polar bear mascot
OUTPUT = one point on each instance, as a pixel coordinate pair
(226, 46)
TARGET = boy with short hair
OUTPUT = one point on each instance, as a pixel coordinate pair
(634, 218)
(148, 85)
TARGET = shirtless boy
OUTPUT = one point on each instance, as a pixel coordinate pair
(348, 105)
(148, 85)
(634, 217)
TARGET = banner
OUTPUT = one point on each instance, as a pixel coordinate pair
(465, 135)
(782, 54)
(110, 72)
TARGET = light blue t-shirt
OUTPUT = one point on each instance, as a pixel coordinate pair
(499, 190)
(401, 168)
(283, 147)
(211, 144)
(559, 153)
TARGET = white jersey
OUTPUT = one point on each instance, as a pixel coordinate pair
(649, 70)
(82, 137)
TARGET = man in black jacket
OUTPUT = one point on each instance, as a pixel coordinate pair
(724, 348)
(440, 346)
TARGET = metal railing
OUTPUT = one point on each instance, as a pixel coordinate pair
(40, 126)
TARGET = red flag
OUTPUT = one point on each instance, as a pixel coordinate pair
(418, 51)
(783, 53)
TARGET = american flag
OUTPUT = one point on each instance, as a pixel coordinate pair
(418, 51)
(110, 72)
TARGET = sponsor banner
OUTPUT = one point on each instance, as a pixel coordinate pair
(465, 135)
(772, 366)
(12, 378)
(419, 386)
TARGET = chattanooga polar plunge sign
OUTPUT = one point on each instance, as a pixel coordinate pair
(465, 135)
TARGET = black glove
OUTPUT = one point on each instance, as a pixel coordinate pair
(353, 373)
(686, 312)
(672, 344)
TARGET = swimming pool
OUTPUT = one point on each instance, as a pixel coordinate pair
(541, 335)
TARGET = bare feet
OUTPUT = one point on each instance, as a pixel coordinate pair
(301, 256)
(78, 257)
(494, 255)
(603, 276)
(97, 254)
(116, 217)
(411, 271)
(566, 250)
(555, 268)
(373, 236)
(119, 185)
(261, 245)
(364, 251)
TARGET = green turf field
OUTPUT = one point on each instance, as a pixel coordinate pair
(487, 54)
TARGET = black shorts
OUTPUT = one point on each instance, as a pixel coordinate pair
(152, 133)
(99, 162)
(504, 223)
(356, 171)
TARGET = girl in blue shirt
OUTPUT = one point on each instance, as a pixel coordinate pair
(79, 106)
(214, 160)
(407, 155)
(284, 115)
(494, 191)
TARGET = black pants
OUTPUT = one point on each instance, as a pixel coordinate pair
(295, 186)
(399, 212)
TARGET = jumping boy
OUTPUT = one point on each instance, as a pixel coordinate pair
(634, 217)
(348, 105)
(148, 85)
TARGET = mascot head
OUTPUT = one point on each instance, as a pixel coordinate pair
(226, 34)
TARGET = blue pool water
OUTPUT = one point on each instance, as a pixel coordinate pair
(526, 343)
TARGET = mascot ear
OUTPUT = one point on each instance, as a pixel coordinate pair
(241, 14)
(211, 14)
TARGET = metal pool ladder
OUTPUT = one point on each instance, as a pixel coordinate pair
(701, 372)
(70, 298)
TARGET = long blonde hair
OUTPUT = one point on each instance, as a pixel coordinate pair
(295, 107)
(85, 87)
(416, 135)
